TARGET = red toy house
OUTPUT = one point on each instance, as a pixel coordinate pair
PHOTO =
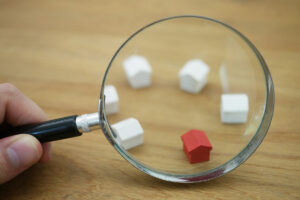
(196, 146)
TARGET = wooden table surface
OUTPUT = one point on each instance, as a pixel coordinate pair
(56, 53)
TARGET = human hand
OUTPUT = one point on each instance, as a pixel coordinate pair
(18, 153)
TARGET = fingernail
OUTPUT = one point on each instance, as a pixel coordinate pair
(46, 153)
(23, 152)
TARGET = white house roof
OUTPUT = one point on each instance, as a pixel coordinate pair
(136, 64)
(195, 69)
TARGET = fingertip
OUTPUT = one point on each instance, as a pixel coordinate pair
(27, 149)
(18, 153)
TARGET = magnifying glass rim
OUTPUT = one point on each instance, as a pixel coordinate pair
(220, 170)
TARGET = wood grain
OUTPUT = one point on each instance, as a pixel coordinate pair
(57, 51)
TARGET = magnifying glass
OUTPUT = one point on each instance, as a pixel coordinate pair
(167, 110)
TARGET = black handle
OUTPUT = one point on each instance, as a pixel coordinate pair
(46, 131)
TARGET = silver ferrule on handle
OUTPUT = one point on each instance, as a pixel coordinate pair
(88, 122)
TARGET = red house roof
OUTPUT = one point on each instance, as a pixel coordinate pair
(195, 139)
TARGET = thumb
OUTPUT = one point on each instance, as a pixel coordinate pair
(17, 153)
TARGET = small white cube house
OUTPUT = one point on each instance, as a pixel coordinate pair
(111, 99)
(138, 71)
(193, 76)
(129, 133)
(234, 108)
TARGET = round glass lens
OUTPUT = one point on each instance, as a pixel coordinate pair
(181, 74)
